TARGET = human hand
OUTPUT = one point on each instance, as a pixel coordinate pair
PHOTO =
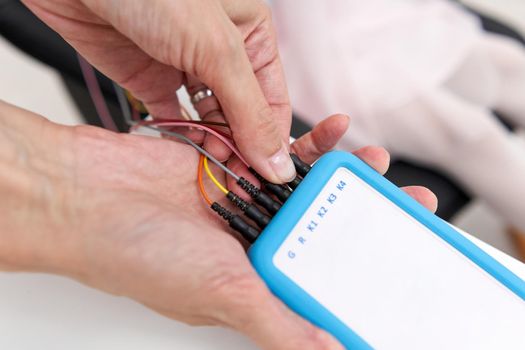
(122, 213)
(153, 47)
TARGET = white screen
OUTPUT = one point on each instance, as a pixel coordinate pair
(393, 281)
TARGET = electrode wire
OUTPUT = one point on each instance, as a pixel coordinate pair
(199, 180)
(194, 124)
(213, 178)
(95, 92)
(212, 131)
(206, 122)
(126, 111)
(194, 145)
(127, 116)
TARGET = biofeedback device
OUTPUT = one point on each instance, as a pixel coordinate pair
(358, 257)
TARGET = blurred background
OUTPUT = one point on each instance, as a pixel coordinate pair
(40, 73)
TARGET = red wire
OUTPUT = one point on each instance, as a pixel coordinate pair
(212, 125)
(222, 133)
(225, 139)
(205, 122)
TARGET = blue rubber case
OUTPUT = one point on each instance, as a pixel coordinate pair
(262, 251)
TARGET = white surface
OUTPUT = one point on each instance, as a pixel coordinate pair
(407, 289)
(30, 84)
(47, 312)
(509, 262)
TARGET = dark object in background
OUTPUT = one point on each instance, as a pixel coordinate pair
(26, 31)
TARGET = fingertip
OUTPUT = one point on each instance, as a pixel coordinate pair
(282, 166)
(343, 120)
(322, 138)
(267, 153)
(424, 196)
(277, 168)
(329, 131)
(375, 156)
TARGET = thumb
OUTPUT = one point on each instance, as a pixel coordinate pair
(266, 320)
(255, 129)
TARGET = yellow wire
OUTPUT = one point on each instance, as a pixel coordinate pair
(213, 179)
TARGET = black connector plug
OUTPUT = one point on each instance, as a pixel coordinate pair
(250, 210)
(237, 223)
(259, 196)
(301, 167)
(279, 191)
(295, 182)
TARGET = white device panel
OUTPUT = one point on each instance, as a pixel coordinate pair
(392, 280)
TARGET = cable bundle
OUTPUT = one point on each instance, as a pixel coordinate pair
(250, 210)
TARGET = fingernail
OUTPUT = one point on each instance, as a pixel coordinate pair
(282, 165)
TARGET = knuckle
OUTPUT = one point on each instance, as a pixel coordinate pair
(216, 54)
(215, 48)
(265, 9)
(226, 43)
(266, 124)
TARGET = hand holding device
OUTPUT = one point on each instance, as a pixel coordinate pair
(358, 257)
(107, 226)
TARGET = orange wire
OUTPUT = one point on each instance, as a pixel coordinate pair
(199, 179)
